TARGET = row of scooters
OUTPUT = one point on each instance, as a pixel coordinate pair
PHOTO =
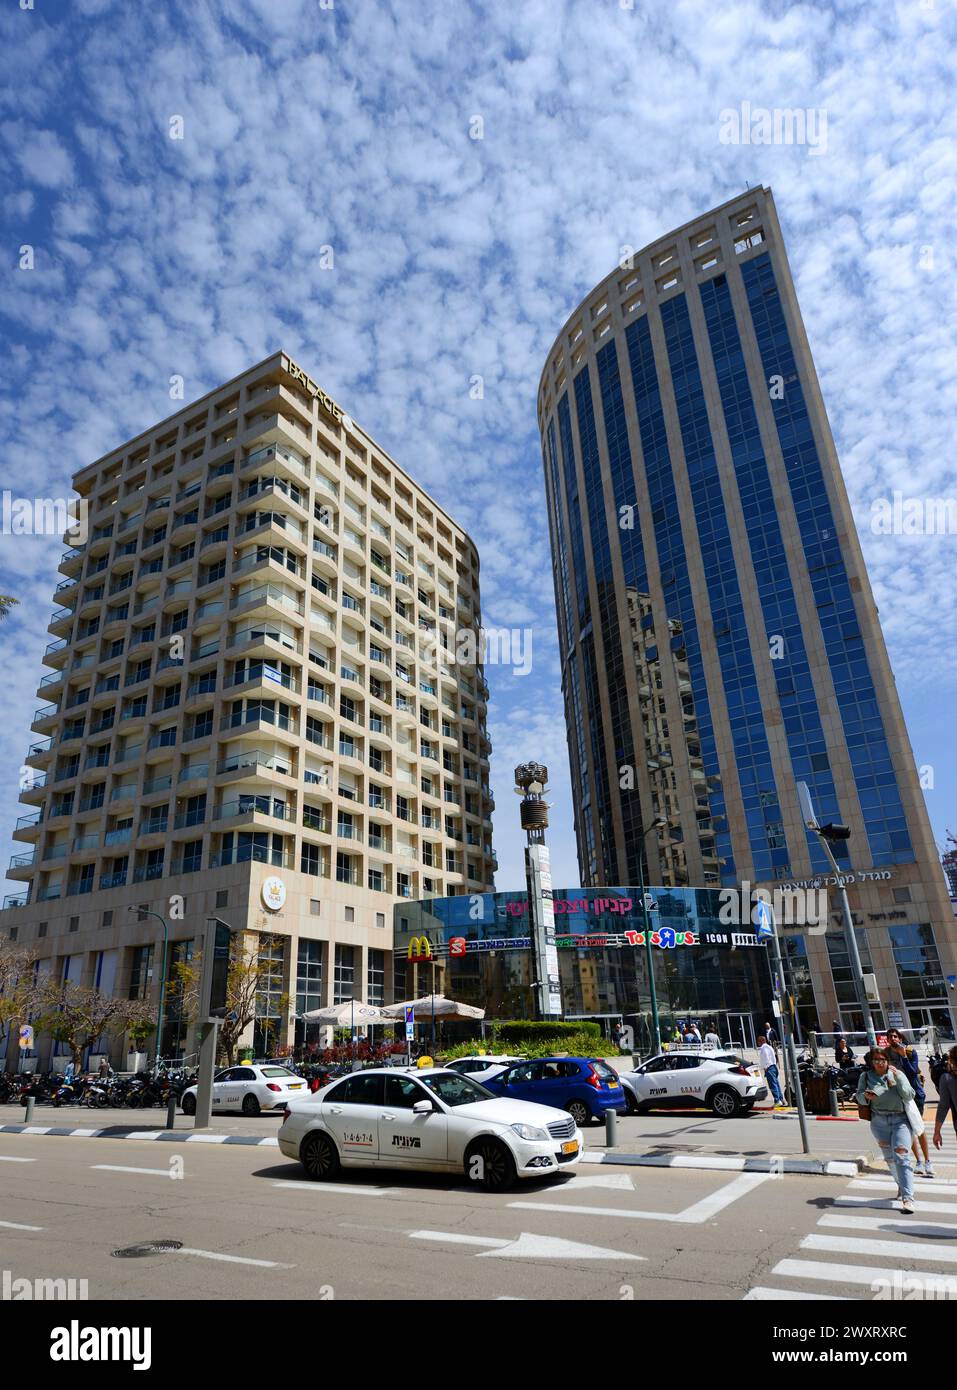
(97, 1092)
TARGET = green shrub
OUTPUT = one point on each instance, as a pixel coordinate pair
(542, 1030)
(575, 1044)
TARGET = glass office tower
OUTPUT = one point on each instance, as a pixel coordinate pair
(719, 638)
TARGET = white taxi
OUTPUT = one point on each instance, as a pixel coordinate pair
(250, 1088)
(435, 1120)
(716, 1080)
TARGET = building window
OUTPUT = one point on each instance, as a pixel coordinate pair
(108, 917)
(222, 897)
(375, 978)
(918, 964)
(13, 933)
(42, 929)
(845, 988)
(380, 919)
(343, 981)
(902, 895)
(271, 958)
(141, 972)
(349, 914)
(309, 976)
(314, 906)
(74, 924)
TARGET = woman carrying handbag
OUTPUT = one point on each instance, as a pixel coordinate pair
(947, 1091)
(883, 1093)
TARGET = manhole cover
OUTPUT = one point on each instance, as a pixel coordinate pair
(147, 1247)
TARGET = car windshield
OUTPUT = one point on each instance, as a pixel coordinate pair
(456, 1089)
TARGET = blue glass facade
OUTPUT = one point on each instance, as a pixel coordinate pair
(772, 579)
(672, 560)
(870, 757)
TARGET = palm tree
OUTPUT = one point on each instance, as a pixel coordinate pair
(6, 603)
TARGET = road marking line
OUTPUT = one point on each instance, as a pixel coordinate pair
(855, 1274)
(905, 1225)
(929, 1185)
(895, 1249)
(761, 1295)
(575, 1210)
(118, 1168)
(15, 1158)
(231, 1259)
(527, 1246)
(717, 1201)
(319, 1187)
(888, 1204)
(695, 1215)
(16, 1226)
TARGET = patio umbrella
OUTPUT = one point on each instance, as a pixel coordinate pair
(348, 1014)
(433, 1006)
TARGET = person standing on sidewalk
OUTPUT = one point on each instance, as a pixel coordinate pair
(768, 1062)
(947, 1091)
(906, 1059)
(885, 1091)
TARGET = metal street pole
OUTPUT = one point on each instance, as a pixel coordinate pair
(850, 936)
(143, 912)
(656, 1027)
(778, 987)
(840, 832)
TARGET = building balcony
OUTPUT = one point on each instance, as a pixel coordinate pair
(117, 880)
(21, 865)
(255, 854)
(27, 827)
(249, 763)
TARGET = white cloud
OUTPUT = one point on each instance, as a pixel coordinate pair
(454, 257)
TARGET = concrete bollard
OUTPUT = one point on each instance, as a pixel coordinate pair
(835, 1110)
(171, 1112)
(611, 1128)
(28, 1112)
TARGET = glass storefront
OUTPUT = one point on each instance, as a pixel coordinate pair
(477, 949)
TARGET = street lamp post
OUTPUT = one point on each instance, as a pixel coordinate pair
(657, 824)
(143, 912)
(826, 833)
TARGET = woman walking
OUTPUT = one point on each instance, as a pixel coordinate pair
(882, 1095)
(906, 1059)
(947, 1090)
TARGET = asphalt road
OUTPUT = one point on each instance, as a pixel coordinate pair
(696, 1132)
(251, 1226)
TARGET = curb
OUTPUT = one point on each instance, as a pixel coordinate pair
(737, 1163)
(168, 1136)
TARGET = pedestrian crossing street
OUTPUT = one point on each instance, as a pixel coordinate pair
(865, 1248)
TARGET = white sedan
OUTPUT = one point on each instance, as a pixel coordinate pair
(434, 1119)
(250, 1088)
(482, 1066)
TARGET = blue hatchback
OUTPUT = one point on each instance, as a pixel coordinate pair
(585, 1087)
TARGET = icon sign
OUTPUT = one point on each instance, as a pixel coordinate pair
(409, 1022)
(26, 1035)
(273, 893)
(765, 921)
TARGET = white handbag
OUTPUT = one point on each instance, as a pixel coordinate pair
(914, 1119)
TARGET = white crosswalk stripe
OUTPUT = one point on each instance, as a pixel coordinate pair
(865, 1247)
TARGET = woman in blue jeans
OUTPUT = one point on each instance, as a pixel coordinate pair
(887, 1091)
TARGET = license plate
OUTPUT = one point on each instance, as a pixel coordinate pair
(297, 1087)
(571, 1147)
(612, 1085)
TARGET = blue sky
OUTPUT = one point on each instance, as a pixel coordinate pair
(308, 125)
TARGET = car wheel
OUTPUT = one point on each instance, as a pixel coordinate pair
(724, 1102)
(251, 1105)
(317, 1154)
(189, 1105)
(630, 1101)
(579, 1112)
(489, 1165)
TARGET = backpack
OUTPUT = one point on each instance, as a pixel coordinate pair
(937, 1065)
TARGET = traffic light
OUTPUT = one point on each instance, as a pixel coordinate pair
(215, 974)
